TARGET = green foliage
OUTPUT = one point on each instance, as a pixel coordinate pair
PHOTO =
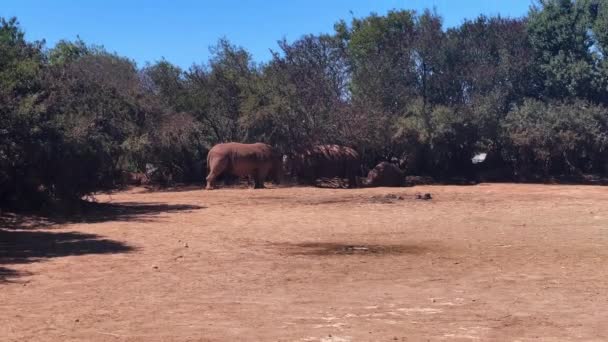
(599, 16)
(561, 34)
(217, 92)
(556, 138)
(532, 92)
(301, 95)
(381, 58)
(165, 81)
(22, 128)
(439, 142)
(66, 52)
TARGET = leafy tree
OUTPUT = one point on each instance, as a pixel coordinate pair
(530, 91)
(380, 53)
(302, 95)
(22, 129)
(489, 69)
(560, 33)
(66, 52)
(556, 138)
(167, 82)
(217, 91)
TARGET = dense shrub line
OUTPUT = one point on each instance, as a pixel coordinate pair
(531, 92)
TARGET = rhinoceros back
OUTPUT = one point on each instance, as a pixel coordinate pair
(327, 161)
(240, 159)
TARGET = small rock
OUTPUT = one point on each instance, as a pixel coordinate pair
(185, 245)
(425, 197)
(155, 267)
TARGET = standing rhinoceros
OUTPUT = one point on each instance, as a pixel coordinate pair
(324, 161)
(257, 160)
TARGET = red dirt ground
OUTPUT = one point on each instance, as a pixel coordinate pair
(485, 262)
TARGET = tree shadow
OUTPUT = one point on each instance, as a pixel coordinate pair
(173, 188)
(7, 274)
(29, 238)
(18, 247)
(125, 211)
(27, 246)
(92, 212)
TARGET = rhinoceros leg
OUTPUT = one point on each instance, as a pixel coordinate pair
(352, 177)
(258, 179)
(260, 176)
(210, 181)
(216, 167)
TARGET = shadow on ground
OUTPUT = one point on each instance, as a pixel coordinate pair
(175, 188)
(92, 212)
(27, 246)
(126, 211)
(7, 274)
(29, 238)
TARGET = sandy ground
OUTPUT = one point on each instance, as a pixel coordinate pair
(488, 262)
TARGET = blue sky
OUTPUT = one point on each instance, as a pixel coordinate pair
(182, 30)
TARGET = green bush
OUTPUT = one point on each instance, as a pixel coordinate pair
(531, 92)
(556, 138)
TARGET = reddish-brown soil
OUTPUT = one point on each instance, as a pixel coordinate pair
(485, 262)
